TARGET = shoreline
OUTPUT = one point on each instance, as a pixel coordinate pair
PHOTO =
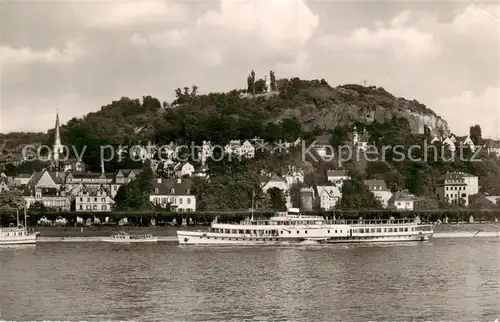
(168, 233)
(441, 235)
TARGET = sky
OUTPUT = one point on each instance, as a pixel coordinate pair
(76, 56)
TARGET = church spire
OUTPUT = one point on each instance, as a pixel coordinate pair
(57, 139)
(57, 148)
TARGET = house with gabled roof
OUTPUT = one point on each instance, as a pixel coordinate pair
(174, 193)
(22, 179)
(50, 197)
(94, 199)
(329, 196)
(468, 142)
(47, 179)
(379, 189)
(275, 181)
(401, 201)
(337, 177)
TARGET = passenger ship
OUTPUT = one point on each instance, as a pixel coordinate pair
(19, 235)
(294, 228)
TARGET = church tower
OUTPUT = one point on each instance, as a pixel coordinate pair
(57, 148)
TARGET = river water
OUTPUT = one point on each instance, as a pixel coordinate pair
(454, 280)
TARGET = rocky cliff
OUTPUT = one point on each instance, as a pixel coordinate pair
(325, 106)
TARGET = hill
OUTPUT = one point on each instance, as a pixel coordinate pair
(298, 108)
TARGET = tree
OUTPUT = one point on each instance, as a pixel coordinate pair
(356, 195)
(249, 84)
(277, 199)
(12, 199)
(260, 86)
(194, 91)
(475, 134)
(272, 80)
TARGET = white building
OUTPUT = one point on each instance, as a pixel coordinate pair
(22, 179)
(235, 147)
(453, 189)
(274, 181)
(329, 196)
(294, 175)
(449, 144)
(401, 201)
(50, 197)
(174, 193)
(379, 189)
(94, 200)
(3, 183)
(472, 183)
(337, 177)
(360, 141)
(468, 142)
(206, 152)
(187, 169)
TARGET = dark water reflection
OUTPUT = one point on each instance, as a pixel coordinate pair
(455, 280)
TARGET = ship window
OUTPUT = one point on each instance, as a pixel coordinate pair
(328, 231)
(361, 230)
(406, 229)
(379, 230)
(305, 231)
(248, 231)
(373, 230)
(289, 231)
(297, 231)
(401, 229)
(282, 232)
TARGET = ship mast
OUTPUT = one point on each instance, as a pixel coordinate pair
(25, 221)
(253, 197)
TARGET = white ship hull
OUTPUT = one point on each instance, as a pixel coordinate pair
(296, 229)
(19, 240)
(202, 238)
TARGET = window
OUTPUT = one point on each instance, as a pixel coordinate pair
(95, 199)
(81, 199)
(180, 201)
(188, 200)
(103, 199)
(81, 207)
(103, 207)
(157, 191)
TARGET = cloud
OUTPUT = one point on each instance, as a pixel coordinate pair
(469, 108)
(166, 39)
(300, 65)
(280, 24)
(477, 19)
(66, 53)
(394, 37)
(120, 14)
(70, 105)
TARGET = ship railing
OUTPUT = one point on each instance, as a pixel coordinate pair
(371, 222)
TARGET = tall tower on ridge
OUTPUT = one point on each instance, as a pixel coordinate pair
(57, 148)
